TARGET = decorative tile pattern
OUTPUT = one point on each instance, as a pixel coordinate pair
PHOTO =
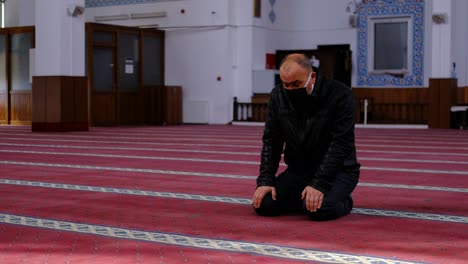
(225, 199)
(414, 8)
(269, 250)
(272, 14)
(100, 3)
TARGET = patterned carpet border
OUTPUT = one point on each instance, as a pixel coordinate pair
(196, 242)
(224, 199)
(219, 175)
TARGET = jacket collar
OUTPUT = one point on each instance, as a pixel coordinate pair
(318, 84)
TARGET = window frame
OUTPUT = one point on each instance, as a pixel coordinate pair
(372, 21)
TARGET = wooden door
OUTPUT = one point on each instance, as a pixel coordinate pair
(152, 61)
(104, 93)
(130, 100)
(102, 68)
(20, 42)
(335, 62)
(126, 72)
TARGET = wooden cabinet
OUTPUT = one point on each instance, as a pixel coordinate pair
(163, 105)
(442, 95)
(172, 105)
(59, 103)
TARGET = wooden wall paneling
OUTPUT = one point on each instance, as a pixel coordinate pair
(139, 115)
(103, 109)
(378, 115)
(158, 110)
(392, 105)
(169, 105)
(148, 101)
(131, 112)
(55, 104)
(173, 105)
(462, 96)
(261, 98)
(422, 99)
(80, 89)
(21, 107)
(149, 104)
(39, 92)
(73, 105)
(466, 95)
(448, 98)
(67, 100)
(3, 108)
(125, 111)
(442, 95)
(359, 94)
(53, 98)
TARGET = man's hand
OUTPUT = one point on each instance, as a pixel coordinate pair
(260, 192)
(313, 198)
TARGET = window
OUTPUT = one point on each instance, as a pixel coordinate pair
(390, 45)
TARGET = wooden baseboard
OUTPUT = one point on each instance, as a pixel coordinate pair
(59, 127)
(23, 123)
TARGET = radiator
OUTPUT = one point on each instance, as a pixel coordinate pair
(196, 112)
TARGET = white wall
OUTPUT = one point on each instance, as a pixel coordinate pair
(459, 20)
(11, 14)
(60, 39)
(19, 13)
(449, 40)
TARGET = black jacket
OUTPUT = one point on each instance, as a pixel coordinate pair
(318, 140)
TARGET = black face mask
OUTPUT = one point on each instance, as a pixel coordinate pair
(299, 98)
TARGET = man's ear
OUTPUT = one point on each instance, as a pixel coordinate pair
(314, 77)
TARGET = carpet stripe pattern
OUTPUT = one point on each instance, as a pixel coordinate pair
(182, 194)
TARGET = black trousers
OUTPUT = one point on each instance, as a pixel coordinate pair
(289, 186)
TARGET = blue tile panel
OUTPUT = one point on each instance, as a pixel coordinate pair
(413, 8)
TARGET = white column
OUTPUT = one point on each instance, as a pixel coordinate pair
(11, 14)
(19, 13)
(460, 40)
(442, 38)
(60, 38)
(241, 37)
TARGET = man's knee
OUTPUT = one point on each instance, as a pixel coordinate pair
(331, 211)
(268, 207)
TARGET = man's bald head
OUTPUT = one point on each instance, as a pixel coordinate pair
(297, 58)
(295, 70)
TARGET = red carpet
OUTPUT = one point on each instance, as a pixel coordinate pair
(182, 195)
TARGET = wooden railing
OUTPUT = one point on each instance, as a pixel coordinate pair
(252, 112)
(377, 113)
(392, 113)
